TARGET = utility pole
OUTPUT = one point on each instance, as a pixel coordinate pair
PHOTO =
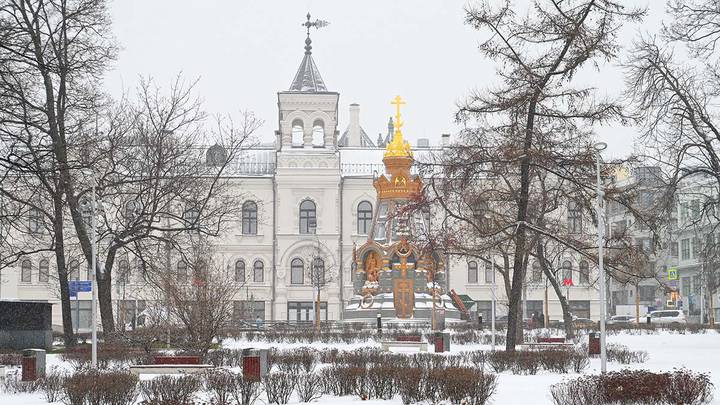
(599, 147)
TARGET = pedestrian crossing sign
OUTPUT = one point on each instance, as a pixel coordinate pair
(672, 274)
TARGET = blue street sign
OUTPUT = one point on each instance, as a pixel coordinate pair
(79, 286)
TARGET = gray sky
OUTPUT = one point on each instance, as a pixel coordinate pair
(243, 52)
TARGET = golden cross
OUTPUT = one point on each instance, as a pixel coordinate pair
(397, 102)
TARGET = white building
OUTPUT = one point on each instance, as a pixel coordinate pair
(312, 187)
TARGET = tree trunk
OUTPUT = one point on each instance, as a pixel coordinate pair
(68, 333)
(567, 316)
(637, 303)
(104, 282)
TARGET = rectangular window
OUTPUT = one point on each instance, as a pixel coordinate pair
(695, 247)
(305, 311)
(647, 292)
(620, 297)
(472, 273)
(580, 309)
(484, 308)
(248, 311)
(697, 284)
(131, 313)
(685, 286)
(674, 249)
(685, 249)
(489, 273)
(695, 209)
(533, 307)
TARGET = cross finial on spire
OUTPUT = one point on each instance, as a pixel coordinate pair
(397, 102)
(308, 24)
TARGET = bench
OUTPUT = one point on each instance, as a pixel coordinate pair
(421, 346)
(169, 368)
(551, 340)
(547, 346)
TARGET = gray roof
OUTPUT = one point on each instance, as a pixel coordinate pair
(307, 78)
(365, 140)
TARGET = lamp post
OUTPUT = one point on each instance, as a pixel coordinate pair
(599, 147)
(93, 278)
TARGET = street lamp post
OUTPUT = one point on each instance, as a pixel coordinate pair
(93, 278)
(599, 147)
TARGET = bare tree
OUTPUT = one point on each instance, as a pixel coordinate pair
(536, 121)
(198, 298)
(321, 272)
(156, 179)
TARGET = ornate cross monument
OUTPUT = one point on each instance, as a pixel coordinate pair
(396, 274)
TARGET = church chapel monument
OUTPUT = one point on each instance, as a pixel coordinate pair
(394, 273)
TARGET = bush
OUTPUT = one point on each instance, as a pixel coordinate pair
(52, 386)
(500, 360)
(622, 354)
(309, 387)
(13, 385)
(279, 386)
(10, 359)
(246, 392)
(468, 386)
(170, 390)
(100, 388)
(689, 388)
(381, 381)
(409, 385)
(635, 387)
(557, 361)
(580, 361)
(221, 385)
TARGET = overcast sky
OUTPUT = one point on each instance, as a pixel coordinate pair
(244, 52)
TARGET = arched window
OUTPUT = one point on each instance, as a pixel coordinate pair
(584, 272)
(489, 273)
(318, 134)
(258, 271)
(364, 217)
(73, 269)
(536, 273)
(472, 272)
(124, 271)
(318, 272)
(44, 271)
(308, 220)
(182, 272)
(249, 218)
(216, 155)
(26, 271)
(132, 210)
(567, 273)
(239, 271)
(297, 271)
(297, 134)
(574, 217)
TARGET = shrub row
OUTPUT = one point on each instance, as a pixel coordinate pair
(635, 387)
(530, 362)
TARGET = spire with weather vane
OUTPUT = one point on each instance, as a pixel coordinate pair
(307, 78)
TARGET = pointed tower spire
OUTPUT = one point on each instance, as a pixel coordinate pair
(307, 78)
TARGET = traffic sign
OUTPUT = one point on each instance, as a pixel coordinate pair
(79, 286)
(672, 274)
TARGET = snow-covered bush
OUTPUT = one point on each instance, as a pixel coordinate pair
(166, 389)
(100, 387)
(635, 387)
(279, 386)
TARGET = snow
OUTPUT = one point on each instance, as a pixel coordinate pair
(667, 350)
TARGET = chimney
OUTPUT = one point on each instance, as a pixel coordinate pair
(354, 127)
(445, 140)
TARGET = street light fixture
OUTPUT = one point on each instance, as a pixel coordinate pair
(599, 147)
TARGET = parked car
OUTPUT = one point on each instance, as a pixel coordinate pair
(620, 320)
(668, 316)
(584, 323)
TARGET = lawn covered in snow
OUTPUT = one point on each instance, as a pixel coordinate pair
(667, 350)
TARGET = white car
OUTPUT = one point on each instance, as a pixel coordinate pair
(667, 317)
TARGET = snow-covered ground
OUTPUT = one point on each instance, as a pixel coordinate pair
(667, 350)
